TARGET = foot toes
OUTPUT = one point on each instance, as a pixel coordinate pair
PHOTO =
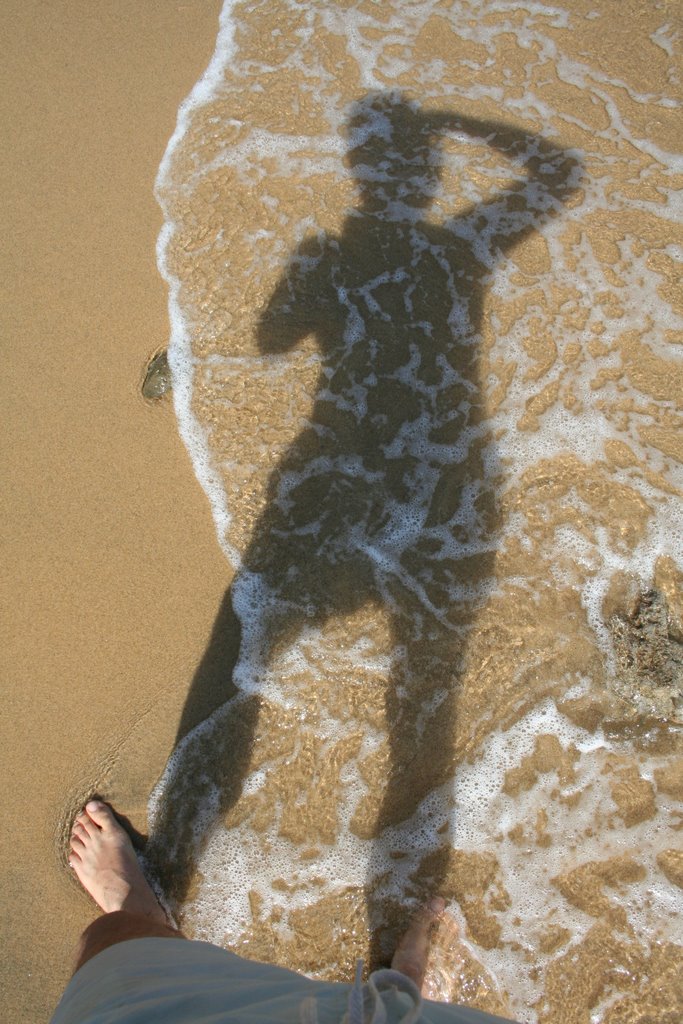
(84, 825)
(100, 814)
(429, 913)
(77, 845)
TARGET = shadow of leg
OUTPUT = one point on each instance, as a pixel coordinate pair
(420, 716)
(205, 773)
(204, 779)
(212, 683)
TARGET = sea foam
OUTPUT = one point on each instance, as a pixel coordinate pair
(577, 358)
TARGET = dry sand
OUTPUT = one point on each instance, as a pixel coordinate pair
(112, 574)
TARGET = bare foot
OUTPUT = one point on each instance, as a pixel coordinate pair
(412, 955)
(454, 975)
(104, 860)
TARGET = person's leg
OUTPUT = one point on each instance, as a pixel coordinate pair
(103, 858)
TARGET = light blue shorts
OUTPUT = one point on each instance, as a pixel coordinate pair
(178, 981)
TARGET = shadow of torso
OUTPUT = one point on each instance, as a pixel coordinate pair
(382, 498)
(379, 468)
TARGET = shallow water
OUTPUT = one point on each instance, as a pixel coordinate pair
(424, 263)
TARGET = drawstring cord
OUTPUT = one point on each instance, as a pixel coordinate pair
(384, 981)
(371, 994)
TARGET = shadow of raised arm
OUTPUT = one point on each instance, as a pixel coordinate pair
(553, 176)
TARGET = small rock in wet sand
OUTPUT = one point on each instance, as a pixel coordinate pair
(157, 380)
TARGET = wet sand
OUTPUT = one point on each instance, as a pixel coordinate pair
(431, 515)
(112, 572)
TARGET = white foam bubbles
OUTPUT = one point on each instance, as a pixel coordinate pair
(478, 812)
(577, 827)
(539, 828)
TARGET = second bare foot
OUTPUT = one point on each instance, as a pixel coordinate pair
(412, 955)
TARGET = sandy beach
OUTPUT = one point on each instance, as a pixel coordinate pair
(112, 573)
(425, 332)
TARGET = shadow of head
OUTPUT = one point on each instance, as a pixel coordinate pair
(394, 152)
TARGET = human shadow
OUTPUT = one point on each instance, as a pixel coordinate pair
(387, 496)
